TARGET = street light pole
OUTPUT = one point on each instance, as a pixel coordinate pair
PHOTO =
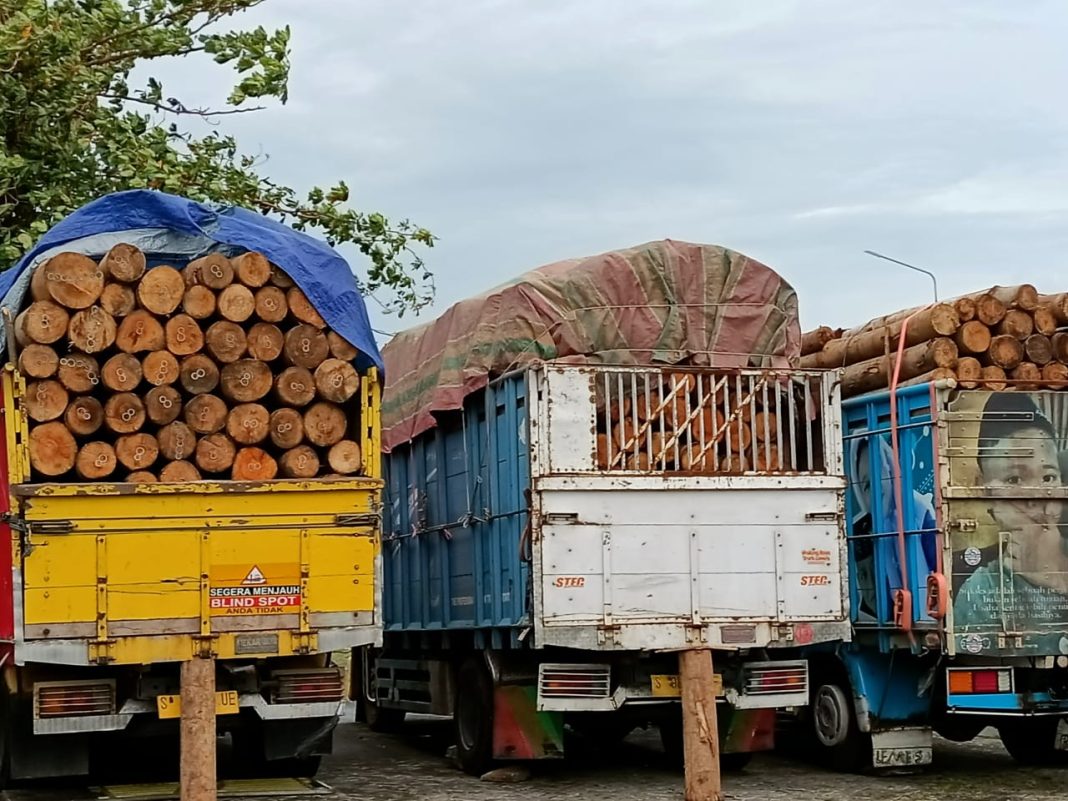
(934, 279)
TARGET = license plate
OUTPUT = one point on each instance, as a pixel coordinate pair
(170, 706)
(669, 686)
(901, 757)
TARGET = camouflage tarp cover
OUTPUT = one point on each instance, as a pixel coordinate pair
(663, 302)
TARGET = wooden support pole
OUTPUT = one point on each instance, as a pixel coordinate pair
(700, 730)
(198, 730)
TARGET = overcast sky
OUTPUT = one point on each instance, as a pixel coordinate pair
(800, 133)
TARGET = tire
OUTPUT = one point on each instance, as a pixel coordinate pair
(378, 720)
(1032, 741)
(736, 762)
(473, 718)
(837, 739)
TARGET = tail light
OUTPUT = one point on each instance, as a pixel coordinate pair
(307, 686)
(984, 681)
(65, 699)
(771, 678)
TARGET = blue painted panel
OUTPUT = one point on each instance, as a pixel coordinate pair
(890, 684)
(1005, 702)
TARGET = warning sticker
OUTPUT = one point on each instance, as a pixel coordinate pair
(255, 590)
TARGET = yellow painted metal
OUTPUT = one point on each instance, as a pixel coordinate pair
(669, 686)
(170, 706)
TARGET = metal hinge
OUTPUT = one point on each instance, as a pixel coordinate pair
(825, 517)
(50, 527)
(357, 520)
(561, 517)
(965, 524)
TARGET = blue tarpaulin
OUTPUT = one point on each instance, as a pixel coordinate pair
(171, 229)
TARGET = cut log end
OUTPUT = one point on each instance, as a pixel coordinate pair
(198, 374)
(163, 405)
(124, 413)
(213, 271)
(1038, 348)
(994, 378)
(226, 341)
(43, 322)
(74, 281)
(161, 290)
(340, 348)
(287, 428)
(236, 303)
(973, 337)
(52, 449)
(142, 477)
(300, 462)
(177, 441)
(252, 269)
(336, 381)
(345, 457)
(249, 424)
(271, 306)
(180, 471)
(95, 460)
(160, 368)
(295, 386)
(302, 309)
(118, 300)
(79, 372)
(45, 400)
(38, 361)
(139, 332)
(137, 451)
(92, 330)
(183, 335)
(265, 342)
(245, 381)
(206, 414)
(199, 302)
(215, 453)
(254, 464)
(306, 346)
(1005, 351)
(124, 263)
(280, 278)
(84, 416)
(325, 424)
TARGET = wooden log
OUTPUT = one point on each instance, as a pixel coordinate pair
(225, 341)
(938, 374)
(1055, 375)
(163, 405)
(340, 347)
(140, 331)
(245, 381)
(161, 290)
(213, 271)
(265, 342)
(969, 372)
(39, 283)
(124, 413)
(1057, 304)
(965, 308)
(84, 416)
(45, 400)
(271, 304)
(973, 337)
(1017, 324)
(74, 281)
(766, 425)
(199, 302)
(1023, 297)
(280, 278)
(1005, 352)
(325, 424)
(198, 374)
(177, 441)
(287, 428)
(345, 457)
(873, 374)
(183, 335)
(300, 462)
(124, 263)
(295, 386)
(95, 460)
(52, 449)
(1045, 321)
(1060, 346)
(1038, 348)
(989, 310)
(121, 373)
(43, 322)
(994, 378)
(79, 373)
(92, 330)
(301, 309)
(160, 368)
(336, 381)
(236, 303)
(940, 320)
(252, 269)
(38, 361)
(700, 728)
(206, 414)
(215, 453)
(142, 477)
(253, 464)
(306, 346)
(180, 471)
(118, 300)
(814, 340)
(136, 451)
(1026, 376)
(248, 424)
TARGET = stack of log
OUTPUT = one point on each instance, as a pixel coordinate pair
(223, 369)
(1004, 337)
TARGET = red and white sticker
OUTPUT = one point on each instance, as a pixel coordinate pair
(272, 590)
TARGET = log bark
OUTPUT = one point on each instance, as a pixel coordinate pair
(700, 729)
(92, 330)
(161, 290)
(973, 337)
(969, 372)
(39, 284)
(940, 320)
(1045, 321)
(1023, 297)
(213, 271)
(160, 368)
(142, 477)
(994, 378)
(138, 332)
(1060, 346)
(280, 278)
(1055, 375)
(177, 441)
(46, 400)
(253, 464)
(52, 449)
(183, 335)
(95, 460)
(965, 308)
(236, 303)
(198, 374)
(206, 414)
(199, 302)
(215, 453)
(340, 348)
(345, 457)
(306, 346)
(43, 322)
(1005, 352)
(79, 373)
(1026, 376)
(265, 342)
(180, 471)
(938, 374)
(245, 381)
(124, 413)
(1057, 304)
(118, 300)
(301, 309)
(300, 462)
(336, 381)
(271, 304)
(814, 340)
(248, 424)
(252, 269)
(876, 373)
(989, 310)
(1038, 348)
(136, 451)
(163, 405)
(325, 424)
(74, 281)
(84, 416)
(295, 386)
(1017, 324)
(38, 361)
(226, 341)
(287, 428)
(124, 263)
(121, 373)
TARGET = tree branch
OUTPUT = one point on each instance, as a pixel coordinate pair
(180, 110)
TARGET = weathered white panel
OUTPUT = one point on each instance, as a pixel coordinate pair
(568, 417)
(739, 595)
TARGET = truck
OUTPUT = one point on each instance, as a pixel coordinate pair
(109, 587)
(957, 566)
(532, 583)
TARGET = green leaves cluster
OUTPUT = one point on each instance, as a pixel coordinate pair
(72, 128)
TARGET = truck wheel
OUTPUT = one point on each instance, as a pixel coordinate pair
(1032, 741)
(473, 718)
(839, 742)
